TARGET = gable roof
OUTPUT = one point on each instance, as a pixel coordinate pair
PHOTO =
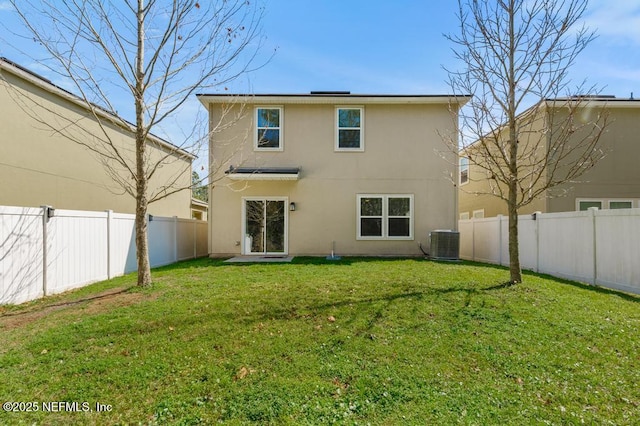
(17, 70)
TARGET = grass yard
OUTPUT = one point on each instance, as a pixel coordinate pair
(359, 341)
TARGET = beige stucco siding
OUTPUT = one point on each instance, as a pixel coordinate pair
(402, 155)
(614, 177)
(617, 175)
(39, 166)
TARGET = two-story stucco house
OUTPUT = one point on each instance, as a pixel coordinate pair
(310, 173)
(612, 183)
(40, 165)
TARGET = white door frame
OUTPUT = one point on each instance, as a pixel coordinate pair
(247, 250)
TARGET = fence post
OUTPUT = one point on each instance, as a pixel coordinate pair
(109, 237)
(473, 240)
(500, 239)
(594, 212)
(45, 221)
(536, 218)
(175, 239)
(195, 239)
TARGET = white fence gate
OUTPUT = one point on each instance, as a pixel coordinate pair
(45, 251)
(600, 247)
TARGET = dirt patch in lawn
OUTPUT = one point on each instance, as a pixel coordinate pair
(94, 304)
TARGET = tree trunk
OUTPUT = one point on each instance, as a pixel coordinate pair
(514, 251)
(515, 272)
(144, 268)
(142, 241)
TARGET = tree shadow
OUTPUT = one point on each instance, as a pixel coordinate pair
(39, 306)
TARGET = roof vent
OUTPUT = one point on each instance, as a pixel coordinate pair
(330, 92)
(595, 97)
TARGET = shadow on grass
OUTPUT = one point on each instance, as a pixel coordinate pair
(41, 304)
(304, 260)
(584, 286)
(347, 261)
(527, 273)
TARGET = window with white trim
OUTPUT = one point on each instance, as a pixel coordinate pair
(464, 216)
(478, 214)
(268, 128)
(620, 204)
(349, 129)
(464, 170)
(583, 204)
(385, 217)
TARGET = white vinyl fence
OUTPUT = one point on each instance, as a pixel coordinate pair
(45, 251)
(599, 247)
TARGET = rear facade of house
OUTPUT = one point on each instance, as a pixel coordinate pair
(321, 172)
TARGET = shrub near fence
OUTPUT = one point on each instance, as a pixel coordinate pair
(45, 251)
(600, 247)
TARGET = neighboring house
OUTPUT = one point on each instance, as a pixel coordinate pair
(311, 173)
(612, 183)
(40, 166)
(199, 209)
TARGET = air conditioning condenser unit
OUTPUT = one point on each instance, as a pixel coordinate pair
(445, 245)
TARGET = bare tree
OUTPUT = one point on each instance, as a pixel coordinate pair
(515, 52)
(154, 53)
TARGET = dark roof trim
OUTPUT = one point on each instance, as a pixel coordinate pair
(328, 94)
(264, 173)
(264, 170)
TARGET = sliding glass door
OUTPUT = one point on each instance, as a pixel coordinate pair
(265, 226)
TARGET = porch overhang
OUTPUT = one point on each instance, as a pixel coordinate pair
(263, 173)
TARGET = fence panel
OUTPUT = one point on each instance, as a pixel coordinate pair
(21, 251)
(83, 247)
(123, 244)
(466, 228)
(76, 249)
(618, 249)
(487, 241)
(596, 247)
(186, 242)
(528, 235)
(202, 238)
(566, 245)
(162, 241)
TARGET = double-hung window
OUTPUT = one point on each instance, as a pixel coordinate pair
(268, 128)
(385, 217)
(349, 129)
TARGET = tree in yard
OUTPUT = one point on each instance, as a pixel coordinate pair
(153, 53)
(200, 190)
(515, 52)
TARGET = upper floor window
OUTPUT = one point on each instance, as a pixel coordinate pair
(349, 129)
(464, 170)
(269, 128)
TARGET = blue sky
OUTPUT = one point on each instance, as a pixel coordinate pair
(369, 46)
(399, 47)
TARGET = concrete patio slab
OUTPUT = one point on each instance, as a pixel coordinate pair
(260, 259)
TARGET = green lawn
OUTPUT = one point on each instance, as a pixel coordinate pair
(359, 341)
